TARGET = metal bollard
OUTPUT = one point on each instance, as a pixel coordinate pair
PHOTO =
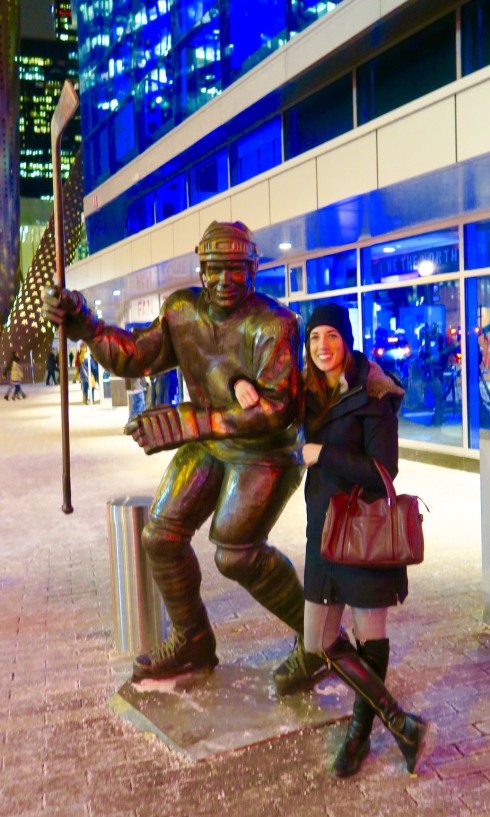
(140, 620)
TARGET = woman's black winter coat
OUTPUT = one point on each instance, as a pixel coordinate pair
(362, 424)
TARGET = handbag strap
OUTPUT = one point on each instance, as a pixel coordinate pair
(387, 481)
(390, 493)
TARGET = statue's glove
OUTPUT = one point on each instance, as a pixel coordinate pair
(59, 304)
(166, 427)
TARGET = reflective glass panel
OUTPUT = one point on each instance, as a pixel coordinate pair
(478, 356)
(272, 281)
(419, 64)
(332, 271)
(208, 178)
(254, 29)
(419, 256)
(171, 198)
(256, 152)
(415, 332)
(477, 245)
(124, 132)
(197, 65)
(475, 35)
(320, 117)
(295, 279)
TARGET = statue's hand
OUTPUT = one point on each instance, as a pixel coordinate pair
(58, 303)
(167, 427)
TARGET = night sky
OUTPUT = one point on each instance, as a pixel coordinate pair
(36, 20)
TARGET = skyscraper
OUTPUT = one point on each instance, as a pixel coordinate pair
(43, 67)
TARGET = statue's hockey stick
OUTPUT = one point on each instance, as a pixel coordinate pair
(65, 109)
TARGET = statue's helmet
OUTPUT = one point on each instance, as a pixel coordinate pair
(231, 240)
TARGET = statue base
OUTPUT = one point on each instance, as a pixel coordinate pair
(202, 714)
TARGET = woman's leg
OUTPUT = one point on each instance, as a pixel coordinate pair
(408, 730)
(322, 625)
(374, 648)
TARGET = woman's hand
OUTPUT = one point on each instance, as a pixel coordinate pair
(246, 394)
(311, 452)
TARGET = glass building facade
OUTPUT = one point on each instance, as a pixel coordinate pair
(416, 288)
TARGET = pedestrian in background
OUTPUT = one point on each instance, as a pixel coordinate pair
(6, 374)
(16, 378)
(51, 368)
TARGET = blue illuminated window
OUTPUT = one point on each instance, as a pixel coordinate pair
(124, 132)
(254, 28)
(478, 356)
(415, 333)
(477, 245)
(141, 214)
(208, 178)
(475, 35)
(408, 258)
(414, 67)
(256, 152)
(320, 117)
(332, 271)
(272, 281)
(171, 198)
(197, 65)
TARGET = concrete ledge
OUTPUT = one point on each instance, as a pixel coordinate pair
(460, 463)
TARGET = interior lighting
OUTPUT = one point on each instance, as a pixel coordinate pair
(388, 249)
(116, 292)
(285, 245)
(426, 267)
(97, 302)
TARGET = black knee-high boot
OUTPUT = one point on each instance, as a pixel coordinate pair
(409, 730)
(357, 744)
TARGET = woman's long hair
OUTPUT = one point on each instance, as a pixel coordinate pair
(316, 382)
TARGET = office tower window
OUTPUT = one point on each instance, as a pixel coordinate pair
(414, 67)
(197, 66)
(208, 178)
(256, 152)
(478, 356)
(124, 134)
(415, 333)
(252, 29)
(475, 35)
(336, 271)
(415, 257)
(322, 116)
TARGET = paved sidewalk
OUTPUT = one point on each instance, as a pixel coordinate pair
(63, 753)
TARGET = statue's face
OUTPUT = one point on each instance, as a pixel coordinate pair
(228, 282)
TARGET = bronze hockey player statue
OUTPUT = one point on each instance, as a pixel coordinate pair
(239, 465)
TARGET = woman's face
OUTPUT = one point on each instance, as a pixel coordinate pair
(327, 351)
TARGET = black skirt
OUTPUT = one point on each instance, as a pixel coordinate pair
(364, 587)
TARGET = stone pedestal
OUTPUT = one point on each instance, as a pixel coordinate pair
(205, 714)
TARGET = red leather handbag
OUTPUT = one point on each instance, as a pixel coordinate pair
(384, 533)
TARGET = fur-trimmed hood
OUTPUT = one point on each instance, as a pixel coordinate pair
(379, 383)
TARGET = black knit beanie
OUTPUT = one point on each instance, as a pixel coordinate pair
(332, 315)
